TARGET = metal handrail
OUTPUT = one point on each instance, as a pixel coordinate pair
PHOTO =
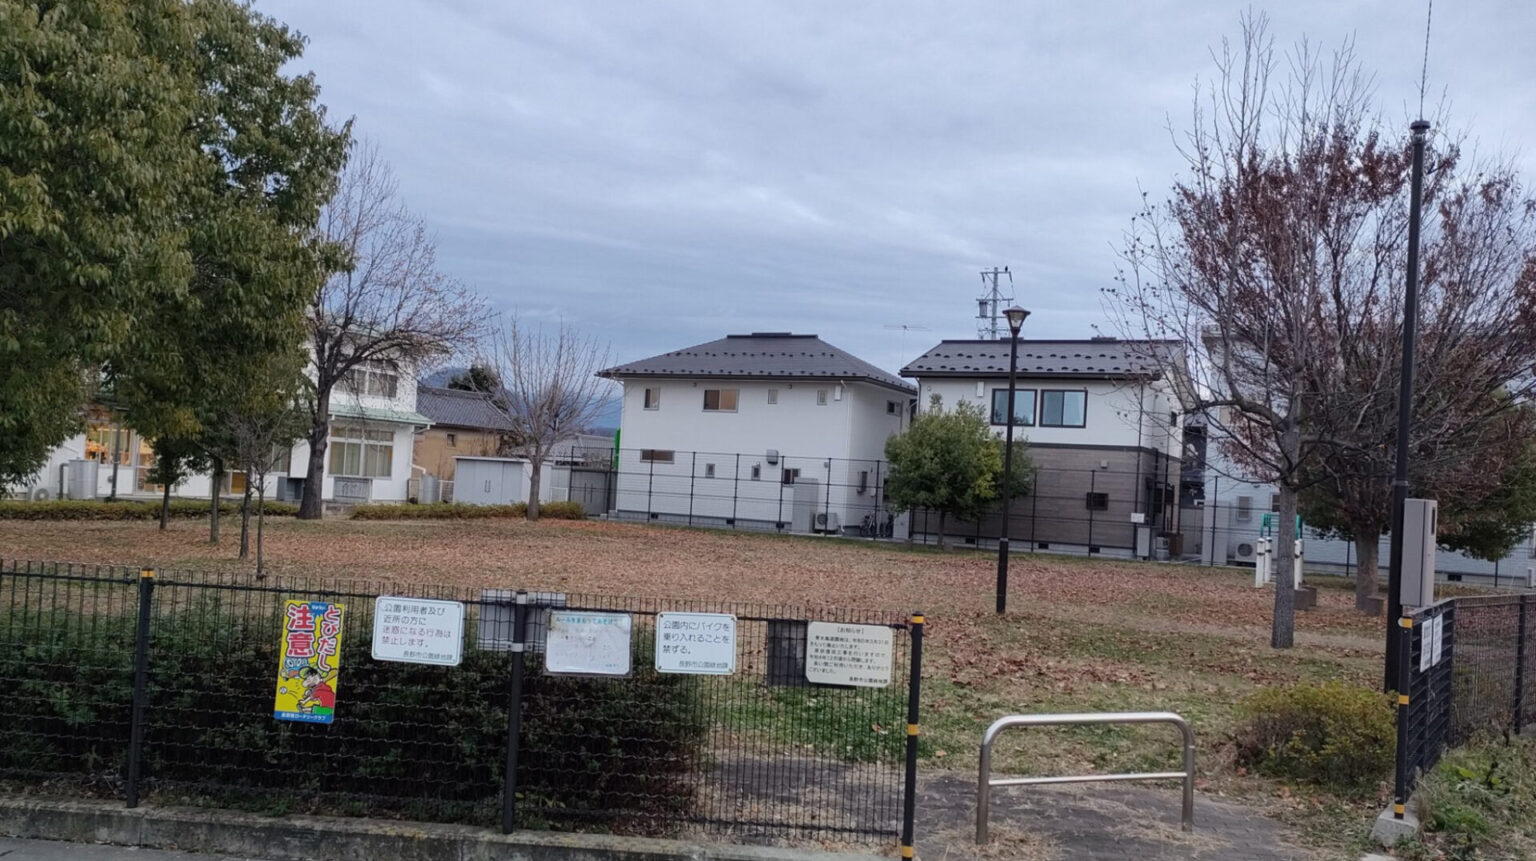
(984, 781)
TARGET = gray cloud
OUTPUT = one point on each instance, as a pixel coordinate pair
(664, 173)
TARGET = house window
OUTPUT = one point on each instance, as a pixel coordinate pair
(1274, 502)
(863, 481)
(653, 399)
(101, 439)
(709, 470)
(773, 396)
(362, 452)
(1063, 409)
(821, 397)
(892, 408)
(1245, 509)
(371, 378)
(720, 400)
(656, 455)
(1098, 502)
(453, 440)
(790, 475)
(1023, 407)
(757, 472)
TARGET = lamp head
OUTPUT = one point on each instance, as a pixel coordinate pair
(1015, 317)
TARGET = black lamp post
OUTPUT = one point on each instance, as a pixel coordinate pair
(1405, 405)
(1015, 317)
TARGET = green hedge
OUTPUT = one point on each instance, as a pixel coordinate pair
(464, 511)
(87, 509)
(1333, 735)
(409, 740)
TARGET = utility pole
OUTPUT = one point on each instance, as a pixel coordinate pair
(990, 325)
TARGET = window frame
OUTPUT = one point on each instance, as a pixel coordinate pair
(997, 411)
(773, 396)
(362, 445)
(1040, 405)
(368, 379)
(789, 475)
(821, 397)
(722, 396)
(649, 402)
(1097, 500)
(658, 455)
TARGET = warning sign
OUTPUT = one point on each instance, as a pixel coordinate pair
(595, 644)
(697, 643)
(858, 655)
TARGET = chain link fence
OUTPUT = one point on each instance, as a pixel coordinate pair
(168, 685)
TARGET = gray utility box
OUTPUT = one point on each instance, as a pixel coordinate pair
(1420, 522)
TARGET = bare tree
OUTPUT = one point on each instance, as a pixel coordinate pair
(385, 302)
(1277, 265)
(551, 390)
(262, 440)
(1235, 266)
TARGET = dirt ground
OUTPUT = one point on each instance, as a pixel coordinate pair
(1080, 635)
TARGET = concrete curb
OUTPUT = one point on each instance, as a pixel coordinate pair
(301, 838)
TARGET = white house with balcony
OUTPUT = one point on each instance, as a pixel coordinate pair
(1104, 430)
(372, 426)
(768, 430)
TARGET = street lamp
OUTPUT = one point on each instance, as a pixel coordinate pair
(1420, 129)
(1015, 317)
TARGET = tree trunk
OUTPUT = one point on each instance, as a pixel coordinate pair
(312, 507)
(534, 480)
(943, 516)
(217, 478)
(1367, 549)
(261, 521)
(911, 521)
(245, 518)
(1283, 629)
(165, 500)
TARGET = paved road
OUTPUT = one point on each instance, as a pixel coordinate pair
(49, 850)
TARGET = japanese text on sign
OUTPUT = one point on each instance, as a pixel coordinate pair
(588, 643)
(418, 631)
(309, 658)
(858, 655)
(697, 643)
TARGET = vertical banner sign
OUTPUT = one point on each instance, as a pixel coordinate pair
(309, 659)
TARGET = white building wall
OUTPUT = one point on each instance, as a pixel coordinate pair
(821, 440)
(1117, 413)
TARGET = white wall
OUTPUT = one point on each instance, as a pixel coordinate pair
(826, 442)
(1117, 414)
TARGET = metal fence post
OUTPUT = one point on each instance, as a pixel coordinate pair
(140, 687)
(1215, 503)
(693, 475)
(735, 490)
(914, 691)
(650, 482)
(1093, 486)
(1520, 653)
(514, 713)
(1034, 505)
(1400, 781)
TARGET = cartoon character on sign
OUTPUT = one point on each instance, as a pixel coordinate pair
(319, 697)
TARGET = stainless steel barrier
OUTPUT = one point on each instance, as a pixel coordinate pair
(984, 781)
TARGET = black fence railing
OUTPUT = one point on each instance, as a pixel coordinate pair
(213, 688)
(1470, 663)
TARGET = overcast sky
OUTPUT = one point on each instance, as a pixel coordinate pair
(664, 173)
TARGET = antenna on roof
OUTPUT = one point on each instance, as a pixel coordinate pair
(905, 328)
(990, 325)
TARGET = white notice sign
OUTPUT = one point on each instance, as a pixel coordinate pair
(698, 643)
(1439, 639)
(838, 654)
(418, 631)
(595, 644)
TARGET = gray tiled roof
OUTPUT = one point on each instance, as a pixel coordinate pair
(456, 408)
(1099, 357)
(761, 355)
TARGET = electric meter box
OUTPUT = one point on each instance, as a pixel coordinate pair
(1420, 522)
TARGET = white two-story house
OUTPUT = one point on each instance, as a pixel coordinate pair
(373, 422)
(1104, 430)
(769, 430)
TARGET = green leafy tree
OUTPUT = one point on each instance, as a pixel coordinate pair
(952, 463)
(268, 163)
(95, 100)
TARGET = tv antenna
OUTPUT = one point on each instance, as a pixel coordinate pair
(905, 328)
(990, 324)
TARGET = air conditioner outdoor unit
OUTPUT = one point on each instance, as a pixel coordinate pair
(1243, 551)
(828, 521)
(41, 494)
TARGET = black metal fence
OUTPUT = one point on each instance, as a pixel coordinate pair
(168, 684)
(1468, 674)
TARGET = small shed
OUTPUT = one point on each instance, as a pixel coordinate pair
(490, 480)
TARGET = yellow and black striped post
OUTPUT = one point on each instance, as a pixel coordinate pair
(914, 693)
(140, 687)
(1404, 683)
